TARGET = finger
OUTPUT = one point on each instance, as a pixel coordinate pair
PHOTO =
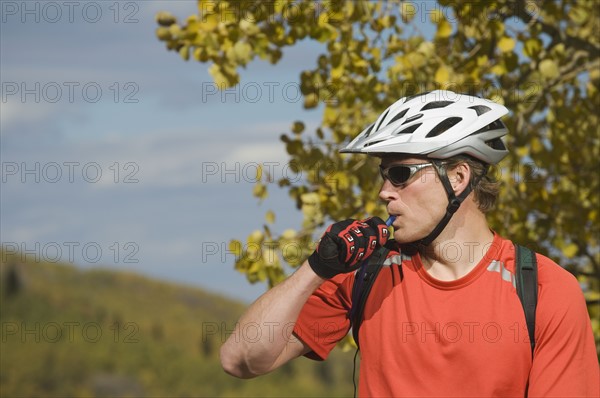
(381, 229)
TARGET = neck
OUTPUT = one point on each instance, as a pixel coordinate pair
(460, 247)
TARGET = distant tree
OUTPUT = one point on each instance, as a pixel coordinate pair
(12, 280)
(539, 58)
(158, 332)
(289, 369)
(324, 372)
(207, 346)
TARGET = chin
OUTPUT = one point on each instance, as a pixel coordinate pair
(402, 237)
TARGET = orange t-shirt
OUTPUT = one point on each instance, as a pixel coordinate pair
(465, 338)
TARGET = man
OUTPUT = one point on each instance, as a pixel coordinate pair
(443, 317)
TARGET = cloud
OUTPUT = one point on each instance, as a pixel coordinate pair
(155, 172)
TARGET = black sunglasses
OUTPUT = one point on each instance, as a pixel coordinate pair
(400, 174)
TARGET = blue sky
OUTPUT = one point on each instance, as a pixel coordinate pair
(115, 150)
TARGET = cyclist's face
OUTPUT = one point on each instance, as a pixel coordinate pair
(418, 204)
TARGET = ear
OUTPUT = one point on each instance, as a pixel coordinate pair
(459, 177)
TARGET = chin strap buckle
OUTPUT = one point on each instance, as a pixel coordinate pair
(453, 205)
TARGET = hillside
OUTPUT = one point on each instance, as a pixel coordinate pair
(73, 332)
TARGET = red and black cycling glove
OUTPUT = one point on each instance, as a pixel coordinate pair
(346, 244)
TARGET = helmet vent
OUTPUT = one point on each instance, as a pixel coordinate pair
(373, 143)
(436, 104)
(409, 129)
(382, 119)
(398, 116)
(368, 132)
(480, 109)
(413, 118)
(495, 125)
(443, 126)
(496, 144)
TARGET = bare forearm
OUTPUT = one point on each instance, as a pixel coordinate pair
(262, 339)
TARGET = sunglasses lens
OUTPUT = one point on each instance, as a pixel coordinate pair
(399, 174)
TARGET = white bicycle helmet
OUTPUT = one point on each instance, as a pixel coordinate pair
(439, 124)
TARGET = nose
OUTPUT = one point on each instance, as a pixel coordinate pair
(388, 192)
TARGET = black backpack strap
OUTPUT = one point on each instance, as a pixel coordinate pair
(527, 287)
(363, 282)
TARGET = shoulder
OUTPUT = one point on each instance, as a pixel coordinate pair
(559, 293)
(550, 274)
(553, 276)
(557, 287)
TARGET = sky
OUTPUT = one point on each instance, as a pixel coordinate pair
(116, 153)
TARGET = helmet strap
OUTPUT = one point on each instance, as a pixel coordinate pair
(454, 202)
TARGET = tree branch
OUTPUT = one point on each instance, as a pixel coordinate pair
(553, 31)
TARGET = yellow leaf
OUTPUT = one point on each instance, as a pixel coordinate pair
(289, 234)
(249, 28)
(338, 180)
(270, 217)
(498, 69)
(260, 191)
(256, 266)
(416, 60)
(220, 80)
(235, 247)
(242, 51)
(310, 198)
(532, 47)
(184, 52)
(522, 151)
(506, 44)
(536, 145)
(330, 115)
(578, 15)
(549, 69)
(570, 250)
(165, 18)
(348, 9)
(259, 171)
(269, 256)
(444, 29)
(255, 237)
(338, 71)
(175, 31)
(426, 48)
(209, 22)
(497, 98)
(442, 75)
(163, 33)
(311, 100)
(408, 11)
(323, 19)
(370, 207)
(200, 55)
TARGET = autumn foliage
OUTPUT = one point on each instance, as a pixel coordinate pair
(538, 58)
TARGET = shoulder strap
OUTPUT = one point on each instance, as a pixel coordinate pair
(363, 282)
(527, 287)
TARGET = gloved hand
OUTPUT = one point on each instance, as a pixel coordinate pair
(346, 244)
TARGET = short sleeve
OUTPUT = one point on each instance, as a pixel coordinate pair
(565, 363)
(324, 321)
